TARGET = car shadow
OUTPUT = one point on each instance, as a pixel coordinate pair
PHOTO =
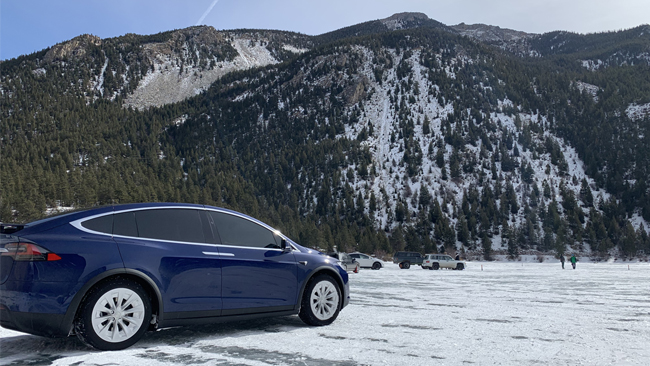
(195, 333)
(34, 350)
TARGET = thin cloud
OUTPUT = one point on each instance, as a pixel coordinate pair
(200, 21)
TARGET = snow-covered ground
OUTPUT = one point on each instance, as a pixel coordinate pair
(516, 313)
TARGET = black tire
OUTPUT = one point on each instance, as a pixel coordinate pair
(130, 313)
(320, 288)
(405, 265)
(376, 266)
(460, 266)
(435, 266)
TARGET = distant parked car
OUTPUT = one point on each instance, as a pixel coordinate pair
(437, 261)
(347, 262)
(110, 274)
(406, 259)
(366, 261)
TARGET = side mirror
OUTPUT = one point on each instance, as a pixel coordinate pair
(284, 246)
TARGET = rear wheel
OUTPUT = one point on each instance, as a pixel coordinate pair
(321, 301)
(114, 315)
(405, 265)
(435, 266)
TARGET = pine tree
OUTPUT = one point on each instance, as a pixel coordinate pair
(486, 244)
(585, 194)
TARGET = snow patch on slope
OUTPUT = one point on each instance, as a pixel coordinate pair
(290, 48)
(637, 112)
(588, 88)
(171, 82)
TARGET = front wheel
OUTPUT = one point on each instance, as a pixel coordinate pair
(376, 265)
(321, 301)
(114, 315)
(460, 266)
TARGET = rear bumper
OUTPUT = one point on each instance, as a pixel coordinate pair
(37, 308)
(46, 325)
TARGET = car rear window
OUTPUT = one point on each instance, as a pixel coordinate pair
(103, 224)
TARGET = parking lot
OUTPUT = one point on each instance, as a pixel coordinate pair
(491, 313)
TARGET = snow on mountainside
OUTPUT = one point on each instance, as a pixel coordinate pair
(172, 81)
(393, 183)
(638, 112)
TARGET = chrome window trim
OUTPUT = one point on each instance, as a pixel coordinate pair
(77, 225)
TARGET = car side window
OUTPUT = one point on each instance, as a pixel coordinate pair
(124, 224)
(355, 256)
(363, 256)
(170, 224)
(103, 224)
(235, 230)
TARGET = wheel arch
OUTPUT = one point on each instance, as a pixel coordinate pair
(323, 270)
(139, 277)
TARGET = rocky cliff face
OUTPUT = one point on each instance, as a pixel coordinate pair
(506, 39)
(175, 76)
(73, 49)
(148, 71)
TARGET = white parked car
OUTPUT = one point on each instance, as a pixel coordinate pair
(366, 261)
(437, 261)
(346, 261)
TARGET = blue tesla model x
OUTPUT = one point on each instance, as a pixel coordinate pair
(110, 274)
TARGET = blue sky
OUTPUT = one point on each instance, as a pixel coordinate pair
(31, 25)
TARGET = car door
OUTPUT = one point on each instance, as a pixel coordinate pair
(445, 262)
(359, 258)
(257, 275)
(365, 261)
(175, 247)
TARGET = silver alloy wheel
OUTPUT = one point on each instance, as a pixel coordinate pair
(324, 300)
(118, 315)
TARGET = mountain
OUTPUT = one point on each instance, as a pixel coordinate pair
(394, 134)
(145, 71)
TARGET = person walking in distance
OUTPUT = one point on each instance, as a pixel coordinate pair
(573, 261)
(562, 260)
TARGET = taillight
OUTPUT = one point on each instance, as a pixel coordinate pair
(27, 252)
